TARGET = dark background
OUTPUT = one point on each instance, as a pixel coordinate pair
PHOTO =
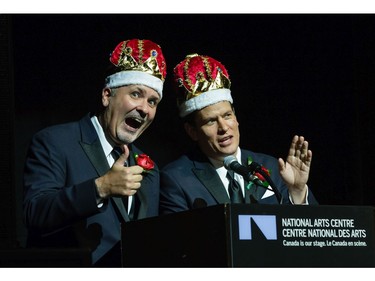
(305, 74)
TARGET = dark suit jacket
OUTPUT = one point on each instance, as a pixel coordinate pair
(191, 178)
(60, 208)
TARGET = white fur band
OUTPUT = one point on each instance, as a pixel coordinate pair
(205, 99)
(130, 77)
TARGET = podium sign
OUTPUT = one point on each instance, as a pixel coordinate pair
(252, 235)
(320, 236)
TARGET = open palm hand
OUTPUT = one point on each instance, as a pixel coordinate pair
(295, 171)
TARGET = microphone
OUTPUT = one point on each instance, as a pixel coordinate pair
(231, 163)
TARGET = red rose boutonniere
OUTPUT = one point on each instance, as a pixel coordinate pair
(144, 161)
(259, 175)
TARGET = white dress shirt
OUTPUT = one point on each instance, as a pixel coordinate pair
(107, 147)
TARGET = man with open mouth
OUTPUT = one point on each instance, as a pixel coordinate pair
(83, 179)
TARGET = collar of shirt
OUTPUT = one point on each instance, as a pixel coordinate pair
(222, 171)
(107, 147)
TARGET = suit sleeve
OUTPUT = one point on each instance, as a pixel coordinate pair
(51, 200)
(271, 163)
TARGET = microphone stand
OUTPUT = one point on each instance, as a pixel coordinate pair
(258, 168)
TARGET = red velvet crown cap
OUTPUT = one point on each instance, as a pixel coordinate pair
(138, 61)
(201, 81)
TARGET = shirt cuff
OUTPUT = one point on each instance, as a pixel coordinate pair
(305, 201)
(99, 200)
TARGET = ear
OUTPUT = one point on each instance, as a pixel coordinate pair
(191, 131)
(106, 94)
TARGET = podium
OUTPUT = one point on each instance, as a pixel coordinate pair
(253, 235)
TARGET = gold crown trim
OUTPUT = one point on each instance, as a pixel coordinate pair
(202, 84)
(128, 62)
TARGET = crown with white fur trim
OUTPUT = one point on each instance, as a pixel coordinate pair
(202, 81)
(137, 61)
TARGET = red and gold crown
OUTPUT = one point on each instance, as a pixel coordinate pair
(202, 81)
(137, 61)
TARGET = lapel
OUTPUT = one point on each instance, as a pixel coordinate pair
(142, 212)
(254, 193)
(91, 145)
(206, 173)
(96, 155)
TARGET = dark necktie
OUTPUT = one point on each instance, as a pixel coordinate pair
(234, 189)
(116, 152)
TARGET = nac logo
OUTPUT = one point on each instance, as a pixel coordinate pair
(265, 223)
